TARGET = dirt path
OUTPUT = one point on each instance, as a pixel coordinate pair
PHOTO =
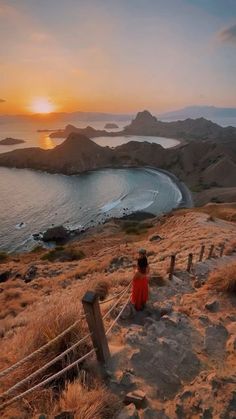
(179, 354)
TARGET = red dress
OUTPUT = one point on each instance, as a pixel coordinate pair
(139, 293)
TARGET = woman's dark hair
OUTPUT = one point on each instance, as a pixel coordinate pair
(142, 264)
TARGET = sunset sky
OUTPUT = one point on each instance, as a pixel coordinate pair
(116, 55)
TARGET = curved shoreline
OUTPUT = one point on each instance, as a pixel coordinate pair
(187, 199)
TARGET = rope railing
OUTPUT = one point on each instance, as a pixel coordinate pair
(60, 356)
(191, 256)
(112, 298)
(51, 342)
(117, 302)
(37, 351)
(44, 367)
(57, 358)
(48, 380)
(118, 316)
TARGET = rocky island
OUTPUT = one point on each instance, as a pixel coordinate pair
(148, 125)
(110, 125)
(11, 141)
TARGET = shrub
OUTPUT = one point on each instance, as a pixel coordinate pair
(3, 256)
(37, 249)
(102, 289)
(62, 254)
(223, 279)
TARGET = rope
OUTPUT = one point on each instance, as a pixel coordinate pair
(117, 317)
(44, 367)
(117, 302)
(37, 351)
(112, 298)
(48, 380)
(42, 348)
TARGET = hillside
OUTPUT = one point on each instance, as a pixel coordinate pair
(179, 352)
(201, 165)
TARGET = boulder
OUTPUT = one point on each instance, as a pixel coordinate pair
(215, 340)
(4, 276)
(155, 238)
(213, 306)
(56, 234)
(30, 273)
(137, 397)
(119, 262)
(148, 413)
(127, 380)
(128, 412)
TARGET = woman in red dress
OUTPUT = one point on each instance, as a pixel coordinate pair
(139, 294)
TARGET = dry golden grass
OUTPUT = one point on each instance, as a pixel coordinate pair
(47, 323)
(95, 402)
(223, 279)
(225, 212)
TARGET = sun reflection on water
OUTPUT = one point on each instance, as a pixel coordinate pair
(46, 142)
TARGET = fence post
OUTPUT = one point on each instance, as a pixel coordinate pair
(190, 261)
(211, 251)
(222, 248)
(172, 266)
(96, 326)
(201, 253)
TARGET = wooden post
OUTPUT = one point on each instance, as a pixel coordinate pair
(96, 326)
(222, 248)
(201, 253)
(190, 261)
(172, 266)
(211, 251)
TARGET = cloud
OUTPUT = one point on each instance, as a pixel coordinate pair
(2, 100)
(228, 34)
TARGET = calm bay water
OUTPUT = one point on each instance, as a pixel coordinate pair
(38, 200)
(31, 201)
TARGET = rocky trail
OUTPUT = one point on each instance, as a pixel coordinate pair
(176, 359)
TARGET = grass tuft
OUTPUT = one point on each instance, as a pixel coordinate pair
(223, 279)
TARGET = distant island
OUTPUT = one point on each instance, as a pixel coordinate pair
(111, 125)
(199, 112)
(11, 141)
(45, 130)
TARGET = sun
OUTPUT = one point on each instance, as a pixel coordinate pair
(42, 105)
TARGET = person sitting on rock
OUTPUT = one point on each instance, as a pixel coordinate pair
(139, 293)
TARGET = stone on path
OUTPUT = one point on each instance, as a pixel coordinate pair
(213, 306)
(137, 397)
(215, 340)
(128, 412)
